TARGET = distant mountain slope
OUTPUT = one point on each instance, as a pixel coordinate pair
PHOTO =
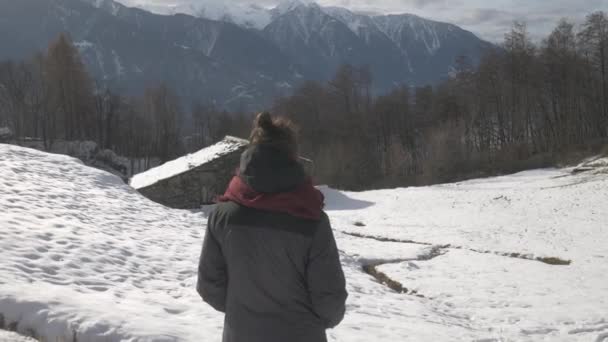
(131, 48)
(315, 40)
(236, 66)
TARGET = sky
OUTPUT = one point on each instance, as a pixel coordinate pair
(489, 19)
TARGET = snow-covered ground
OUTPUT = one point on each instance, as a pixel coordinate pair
(82, 254)
(7, 336)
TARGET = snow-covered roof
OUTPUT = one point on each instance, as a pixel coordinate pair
(187, 162)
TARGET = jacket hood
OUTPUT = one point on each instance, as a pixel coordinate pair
(304, 201)
(270, 180)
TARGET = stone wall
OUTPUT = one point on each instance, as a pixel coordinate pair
(196, 187)
(6, 135)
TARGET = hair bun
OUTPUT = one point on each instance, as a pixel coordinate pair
(278, 132)
(264, 121)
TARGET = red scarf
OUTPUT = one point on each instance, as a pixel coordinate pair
(305, 201)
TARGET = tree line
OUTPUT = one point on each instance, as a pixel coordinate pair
(52, 97)
(524, 105)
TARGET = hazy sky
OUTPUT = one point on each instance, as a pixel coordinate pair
(489, 19)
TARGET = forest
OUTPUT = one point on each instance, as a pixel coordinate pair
(525, 105)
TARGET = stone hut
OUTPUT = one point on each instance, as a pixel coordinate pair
(6, 135)
(195, 179)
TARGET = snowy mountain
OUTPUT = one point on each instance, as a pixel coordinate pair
(129, 48)
(515, 258)
(398, 48)
(236, 56)
(286, 6)
(246, 15)
(315, 40)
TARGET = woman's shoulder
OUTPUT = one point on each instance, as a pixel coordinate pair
(225, 209)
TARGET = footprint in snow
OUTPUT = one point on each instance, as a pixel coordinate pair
(174, 311)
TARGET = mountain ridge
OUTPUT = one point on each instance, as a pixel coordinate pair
(229, 65)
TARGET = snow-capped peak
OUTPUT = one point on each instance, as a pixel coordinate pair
(248, 15)
(96, 3)
(255, 16)
(111, 5)
(354, 21)
(286, 6)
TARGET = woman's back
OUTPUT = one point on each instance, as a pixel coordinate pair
(269, 259)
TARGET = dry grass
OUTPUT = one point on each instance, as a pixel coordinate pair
(555, 261)
(384, 279)
(387, 281)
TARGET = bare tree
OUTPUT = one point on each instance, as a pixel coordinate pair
(70, 90)
(594, 43)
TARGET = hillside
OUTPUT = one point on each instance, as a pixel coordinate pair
(520, 257)
(233, 65)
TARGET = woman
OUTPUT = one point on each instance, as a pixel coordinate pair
(269, 258)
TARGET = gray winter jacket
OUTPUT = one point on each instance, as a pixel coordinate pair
(277, 277)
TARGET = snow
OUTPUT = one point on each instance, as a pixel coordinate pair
(113, 6)
(284, 85)
(82, 251)
(7, 336)
(247, 15)
(79, 149)
(85, 255)
(257, 16)
(395, 27)
(493, 227)
(529, 213)
(186, 163)
(598, 164)
(120, 70)
(305, 20)
(286, 6)
(356, 22)
(84, 44)
(522, 299)
(368, 251)
(240, 92)
(89, 153)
